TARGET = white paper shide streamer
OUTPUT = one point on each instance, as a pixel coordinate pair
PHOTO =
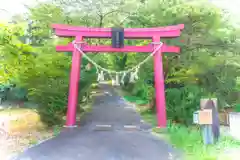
(133, 72)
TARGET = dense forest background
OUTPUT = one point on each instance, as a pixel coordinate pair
(208, 65)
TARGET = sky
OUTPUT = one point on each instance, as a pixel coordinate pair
(16, 6)
(12, 7)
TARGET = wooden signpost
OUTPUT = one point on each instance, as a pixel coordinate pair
(208, 118)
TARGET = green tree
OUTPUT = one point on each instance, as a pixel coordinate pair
(208, 63)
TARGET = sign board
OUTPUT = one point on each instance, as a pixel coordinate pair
(117, 37)
(205, 116)
(234, 119)
(196, 117)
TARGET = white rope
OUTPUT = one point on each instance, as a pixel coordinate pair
(123, 78)
(117, 72)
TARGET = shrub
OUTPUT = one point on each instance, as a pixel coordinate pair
(237, 108)
(182, 102)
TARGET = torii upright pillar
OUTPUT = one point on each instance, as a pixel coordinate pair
(73, 86)
(159, 86)
(132, 33)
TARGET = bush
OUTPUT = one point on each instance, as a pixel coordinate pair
(189, 139)
(53, 99)
(48, 84)
(140, 90)
(182, 102)
(237, 108)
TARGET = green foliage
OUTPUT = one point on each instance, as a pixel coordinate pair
(56, 130)
(182, 102)
(209, 56)
(206, 65)
(143, 90)
(47, 83)
(136, 100)
(190, 140)
(44, 74)
(237, 108)
(18, 93)
(149, 116)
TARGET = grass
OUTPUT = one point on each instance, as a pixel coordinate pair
(189, 139)
(132, 99)
(148, 116)
(136, 100)
(95, 86)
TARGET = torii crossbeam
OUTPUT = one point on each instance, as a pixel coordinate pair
(130, 33)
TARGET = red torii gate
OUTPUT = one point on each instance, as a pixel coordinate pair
(131, 33)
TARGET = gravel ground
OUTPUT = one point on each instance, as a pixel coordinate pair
(14, 144)
(19, 129)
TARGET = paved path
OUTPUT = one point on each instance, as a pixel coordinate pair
(112, 142)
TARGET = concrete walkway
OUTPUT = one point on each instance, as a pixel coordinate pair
(112, 131)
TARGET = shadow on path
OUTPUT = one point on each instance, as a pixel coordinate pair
(93, 141)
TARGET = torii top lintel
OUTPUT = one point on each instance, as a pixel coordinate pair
(146, 33)
(131, 33)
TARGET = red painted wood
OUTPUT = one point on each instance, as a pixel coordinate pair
(84, 29)
(144, 49)
(159, 86)
(143, 33)
(107, 34)
(73, 86)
